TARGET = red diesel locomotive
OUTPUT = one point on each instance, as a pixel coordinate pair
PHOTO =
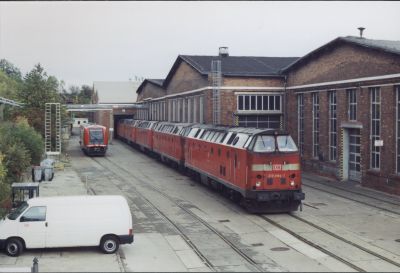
(93, 139)
(258, 168)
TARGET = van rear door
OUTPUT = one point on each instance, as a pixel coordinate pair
(32, 227)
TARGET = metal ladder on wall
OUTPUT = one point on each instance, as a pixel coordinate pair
(216, 96)
(52, 128)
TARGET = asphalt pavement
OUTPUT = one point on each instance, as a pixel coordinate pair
(86, 259)
(149, 253)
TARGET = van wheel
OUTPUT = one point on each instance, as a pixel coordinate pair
(14, 247)
(109, 244)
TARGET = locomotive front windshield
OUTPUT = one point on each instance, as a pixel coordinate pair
(269, 143)
(96, 136)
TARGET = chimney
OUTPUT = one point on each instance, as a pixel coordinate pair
(361, 29)
(223, 51)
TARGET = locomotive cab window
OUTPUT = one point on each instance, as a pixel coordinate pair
(248, 141)
(264, 144)
(286, 144)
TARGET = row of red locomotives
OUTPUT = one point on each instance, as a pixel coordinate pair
(259, 168)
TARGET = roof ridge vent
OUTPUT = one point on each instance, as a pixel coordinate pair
(361, 29)
(223, 51)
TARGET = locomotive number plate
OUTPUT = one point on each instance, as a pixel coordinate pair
(274, 175)
(277, 167)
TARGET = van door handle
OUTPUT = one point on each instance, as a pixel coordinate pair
(46, 224)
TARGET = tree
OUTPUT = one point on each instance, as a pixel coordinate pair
(8, 89)
(8, 86)
(10, 70)
(38, 88)
(31, 139)
(78, 95)
(36, 91)
(4, 187)
(86, 94)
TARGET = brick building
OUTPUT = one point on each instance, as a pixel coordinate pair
(251, 91)
(340, 103)
(345, 98)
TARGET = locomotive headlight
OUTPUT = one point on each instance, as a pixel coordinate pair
(292, 183)
(258, 183)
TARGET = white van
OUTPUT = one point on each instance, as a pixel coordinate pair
(69, 221)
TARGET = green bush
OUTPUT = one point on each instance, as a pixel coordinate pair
(4, 187)
(21, 146)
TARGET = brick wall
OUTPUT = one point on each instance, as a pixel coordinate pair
(292, 115)
(103, 118)
(185, 79)
(150, 90)
(386, 178)
(251, 81)
(344, 62)
(228, 103)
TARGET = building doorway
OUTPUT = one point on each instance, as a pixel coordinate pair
(354, 155)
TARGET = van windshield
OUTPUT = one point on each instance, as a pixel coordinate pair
(17, 212)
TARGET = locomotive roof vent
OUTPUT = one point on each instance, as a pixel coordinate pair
(223, 51)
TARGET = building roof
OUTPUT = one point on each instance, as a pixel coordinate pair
(157, 82)
(116, 92)
(234, 66)
(381, 45)
(240, 65)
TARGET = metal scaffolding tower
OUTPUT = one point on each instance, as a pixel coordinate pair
(52, 129)
(216, 96)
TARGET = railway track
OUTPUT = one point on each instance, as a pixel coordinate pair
(344, 194)
(203, 257)
(183, 206)
(331, 234)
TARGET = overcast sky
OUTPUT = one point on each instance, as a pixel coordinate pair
(82, 42)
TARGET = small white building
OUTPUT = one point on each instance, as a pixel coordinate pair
(115, 92)
(111, 93)
(78, 121)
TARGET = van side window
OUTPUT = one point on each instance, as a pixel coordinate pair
(34, 214)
